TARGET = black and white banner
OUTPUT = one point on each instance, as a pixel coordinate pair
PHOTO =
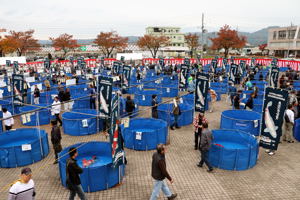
(126, 76)
(232, 59)
(273, 77)
(187, 61)
(116, 68)
(242, 67)
(213, 66)
(232, 72)
(253, 62)
(105, 85)
(18, 88)
(201, 91)
(225, 63)
(8, 63)
(161, 62)
(115, 133)
(275, 103)
(274, 62)
(183, 75)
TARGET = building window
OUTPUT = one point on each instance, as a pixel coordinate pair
(292, 34)
(281, 35)
(156, 30)
(274, 35)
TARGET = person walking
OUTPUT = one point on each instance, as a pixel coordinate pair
(129, 106)
(213, 97)
(199, 120)
(205, 144)
(92, 97)
(56, 108)
(23, 188)
(55, 139)
(36, 95)
(67, 100)
(154, 104)
(72, 173)
(159, 173)
(176, 112)
(8, 120)
(289, 117)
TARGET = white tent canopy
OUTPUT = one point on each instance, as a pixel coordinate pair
(21, 60)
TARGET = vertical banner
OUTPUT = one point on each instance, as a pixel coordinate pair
(242, 67)
(232, 59)
(16, 66)
(18, 88)
(232, 72)
(183, 76)
(275, 103)
(116, 68)
(273, 77)
(105, 94)
(201, 91)
(225, 63)
(214, 65)
(274, 62)
(115, 133)
(126, 76)
(253, 62)
(161, 62)
(187, 61)
(8, 63)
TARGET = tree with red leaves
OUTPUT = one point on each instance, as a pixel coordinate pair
(7, 45)
(152, 43)
(24, 41)
(262, 47)
(64, 42)
(110, 41)
(228, 39)
(192, 41)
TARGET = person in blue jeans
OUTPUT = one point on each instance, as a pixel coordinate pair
(73, 180)
(159, 173)
(205, 144)
(176, 112)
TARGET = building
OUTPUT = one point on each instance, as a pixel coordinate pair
(284, 41)
(177, 47)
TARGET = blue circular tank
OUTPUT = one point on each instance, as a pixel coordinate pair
(186, 117)
(145, 133)
(22, 147)
(233, 150)
(297, 129)
(243, 120)
(81, 101)
(144, 97)
(100, 175)
(30, 119)
(77, 124)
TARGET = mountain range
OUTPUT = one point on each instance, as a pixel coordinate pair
(254, 38)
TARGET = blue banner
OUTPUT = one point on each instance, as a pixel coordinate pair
(105, 85)
(201, 91)
(275, 103)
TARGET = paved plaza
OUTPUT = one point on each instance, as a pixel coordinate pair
(274, 177)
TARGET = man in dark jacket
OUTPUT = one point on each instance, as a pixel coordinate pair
(55, 139)
(67, 99)
(154, 106)
(36, 95)
(73, 179)
(205, 144)
(159, 173)
(129, 107)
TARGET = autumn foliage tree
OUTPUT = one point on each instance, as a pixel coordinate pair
(262, 47)
(152, 43)
(7, 45)
(192, 41)
(23, 41)
(228, 39)
(110, 41)
(65, 42)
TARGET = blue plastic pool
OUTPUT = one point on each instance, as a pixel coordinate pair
(77, 124)
(145, 133)
(233, 150)
(22, 147)
(297, 129)
(144, 97)
(101, 175)
(30, 119)
(244, 120)
(186, 117)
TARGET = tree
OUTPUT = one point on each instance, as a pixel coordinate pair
(25, 41)
(262, 47)
(110, 41)
(64, 42)
(228, 38)
(7, 45)
(192, 41)
(152, 43)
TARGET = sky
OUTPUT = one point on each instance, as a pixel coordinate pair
(86, 19)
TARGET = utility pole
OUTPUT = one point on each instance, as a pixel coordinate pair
(202, 35)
